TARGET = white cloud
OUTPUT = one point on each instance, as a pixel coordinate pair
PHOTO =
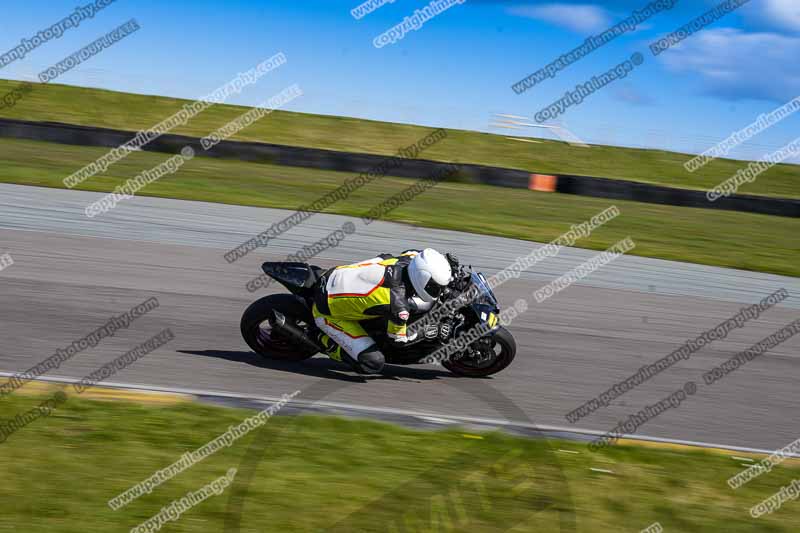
(776, 14)
(580, 18)
(735, 65)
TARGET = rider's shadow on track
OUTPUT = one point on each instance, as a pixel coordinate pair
(322, 367)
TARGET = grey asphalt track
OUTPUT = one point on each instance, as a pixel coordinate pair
(71, 273)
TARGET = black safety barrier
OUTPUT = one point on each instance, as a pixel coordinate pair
(658, 194)
(410, 168)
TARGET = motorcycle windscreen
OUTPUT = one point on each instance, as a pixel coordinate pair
(487, 295)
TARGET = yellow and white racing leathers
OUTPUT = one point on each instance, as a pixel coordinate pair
(351, 293)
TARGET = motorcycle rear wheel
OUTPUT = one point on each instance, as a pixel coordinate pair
(262, 339)
(505, 348)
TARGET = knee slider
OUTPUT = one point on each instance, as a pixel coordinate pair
(371, 360)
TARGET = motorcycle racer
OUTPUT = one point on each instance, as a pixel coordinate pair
(387, 286)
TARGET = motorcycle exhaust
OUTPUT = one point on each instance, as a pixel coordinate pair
(280, 325)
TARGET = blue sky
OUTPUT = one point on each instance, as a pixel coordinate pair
(456, 70)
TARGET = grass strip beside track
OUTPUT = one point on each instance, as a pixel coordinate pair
(110, 109)
(720, 238)
(60, 471)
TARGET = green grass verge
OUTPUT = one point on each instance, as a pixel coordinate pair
(314, 472)
(95, 107)
(720, 238)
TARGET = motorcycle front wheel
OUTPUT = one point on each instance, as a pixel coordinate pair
(504, 348)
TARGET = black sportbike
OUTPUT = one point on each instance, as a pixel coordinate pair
(462, 330)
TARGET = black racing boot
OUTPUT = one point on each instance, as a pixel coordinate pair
(332, 350)
(370, 361)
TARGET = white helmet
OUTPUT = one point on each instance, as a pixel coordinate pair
(430, 273)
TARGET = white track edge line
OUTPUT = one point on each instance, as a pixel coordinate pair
(405, 412)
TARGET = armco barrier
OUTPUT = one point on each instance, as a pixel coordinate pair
(257, 152)
(411, 168)
(657, 194)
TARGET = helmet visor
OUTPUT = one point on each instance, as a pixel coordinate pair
(433, 288)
